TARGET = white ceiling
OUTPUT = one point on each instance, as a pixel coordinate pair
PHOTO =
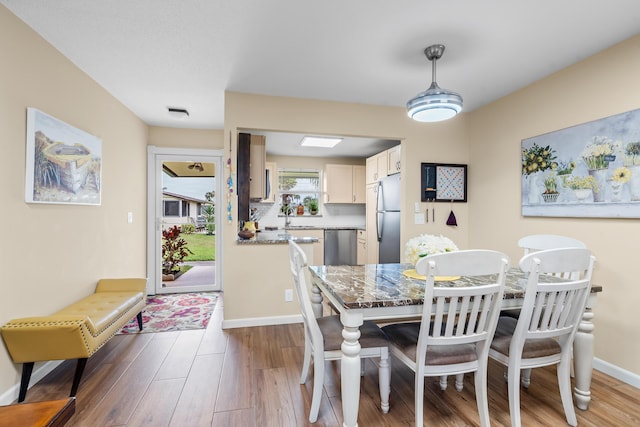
(154, 54)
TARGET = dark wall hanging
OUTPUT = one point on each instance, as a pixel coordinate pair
(443, 182)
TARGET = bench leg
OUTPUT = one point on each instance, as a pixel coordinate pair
(139, 317)
(27, 368)
(76, 378)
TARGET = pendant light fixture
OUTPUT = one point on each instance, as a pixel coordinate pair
(434, 104)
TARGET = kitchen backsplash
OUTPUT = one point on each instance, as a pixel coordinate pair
(329, 216)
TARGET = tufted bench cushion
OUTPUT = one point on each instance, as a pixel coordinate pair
(78, 330)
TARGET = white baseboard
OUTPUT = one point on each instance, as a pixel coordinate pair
(11, 395)
(261, 321)
(617, 372)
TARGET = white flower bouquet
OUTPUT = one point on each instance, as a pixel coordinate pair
(427, 244)
(600, 152)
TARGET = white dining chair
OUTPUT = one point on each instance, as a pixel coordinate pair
(543, 333)
(540, 242)
(323, 339)
(457, 325)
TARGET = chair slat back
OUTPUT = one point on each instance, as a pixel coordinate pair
(298, 264)
(541, 242)
(465, 314)
(554, 309)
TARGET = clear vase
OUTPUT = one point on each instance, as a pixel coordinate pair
(600, 175)
(634, 183)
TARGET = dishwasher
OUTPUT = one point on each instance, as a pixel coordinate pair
(340, 247)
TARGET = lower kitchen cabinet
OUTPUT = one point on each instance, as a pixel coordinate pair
(318, 247)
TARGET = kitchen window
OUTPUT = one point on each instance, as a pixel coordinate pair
(298, 191)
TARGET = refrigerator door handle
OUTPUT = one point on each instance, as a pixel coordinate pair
(378, 213)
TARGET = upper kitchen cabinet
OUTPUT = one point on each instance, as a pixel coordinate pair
(377, 167)
(393, 160)
(344, 184)
(257, 168)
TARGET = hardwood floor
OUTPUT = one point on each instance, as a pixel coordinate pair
(250, 377)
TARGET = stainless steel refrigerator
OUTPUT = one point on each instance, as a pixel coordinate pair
(388, 219)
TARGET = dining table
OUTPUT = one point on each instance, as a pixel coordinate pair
(390, 292)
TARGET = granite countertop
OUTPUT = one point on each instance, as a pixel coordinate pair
(275, 237)
(318, 227)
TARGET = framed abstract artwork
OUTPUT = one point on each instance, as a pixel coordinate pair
(443, 182)
(63, 163)
(588, 170)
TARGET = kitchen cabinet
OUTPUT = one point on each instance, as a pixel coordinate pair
(371, 230)
(318, 247)
(257, 161)
(361, 257)
(344, 184)
(376, 167)
(393, 160)
(271, 183)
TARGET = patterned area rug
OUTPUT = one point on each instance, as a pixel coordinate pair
(174, 312)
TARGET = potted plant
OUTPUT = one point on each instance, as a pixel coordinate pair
(582, 186)
(313, 206)
(550, 188)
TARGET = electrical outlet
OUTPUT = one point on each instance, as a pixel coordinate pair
(288, 295)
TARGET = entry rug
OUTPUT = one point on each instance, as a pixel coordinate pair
(174, 312)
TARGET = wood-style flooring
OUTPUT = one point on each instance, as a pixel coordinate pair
(249, 377)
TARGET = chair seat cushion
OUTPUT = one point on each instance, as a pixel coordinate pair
(404, 336)
(532, 348)
(370, 334)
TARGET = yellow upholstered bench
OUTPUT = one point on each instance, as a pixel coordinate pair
(76, 331)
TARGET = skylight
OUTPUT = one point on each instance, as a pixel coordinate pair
(319, 142)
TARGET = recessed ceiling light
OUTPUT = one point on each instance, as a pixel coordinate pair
(320, 142)
(178, 113)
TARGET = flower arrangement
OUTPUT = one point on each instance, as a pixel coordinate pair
(565, 168)
(427, 244)
(621, 175)
(582, 183)
(550, 184)
(537, 159)
(600, 152)
(632, 154)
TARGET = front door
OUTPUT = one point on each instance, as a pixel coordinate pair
(184, 213)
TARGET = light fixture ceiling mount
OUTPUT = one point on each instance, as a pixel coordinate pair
(434, 104)
(178, 113)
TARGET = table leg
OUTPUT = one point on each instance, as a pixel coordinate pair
(316, 300)
(583, 360)
(350, 368)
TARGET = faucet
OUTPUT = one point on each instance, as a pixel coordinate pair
(287, 212)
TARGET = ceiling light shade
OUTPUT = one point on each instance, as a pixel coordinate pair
(178, 113)
(434, 104)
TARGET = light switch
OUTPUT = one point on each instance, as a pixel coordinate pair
(416, 207)
(129, 217)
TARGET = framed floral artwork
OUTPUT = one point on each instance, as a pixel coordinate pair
(64, 164)
(587, 170)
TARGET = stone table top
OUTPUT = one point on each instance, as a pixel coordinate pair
(382, 285)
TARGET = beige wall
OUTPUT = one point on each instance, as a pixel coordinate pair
(52, 255)
(186, 138)
(603, 85)
(258, 291)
